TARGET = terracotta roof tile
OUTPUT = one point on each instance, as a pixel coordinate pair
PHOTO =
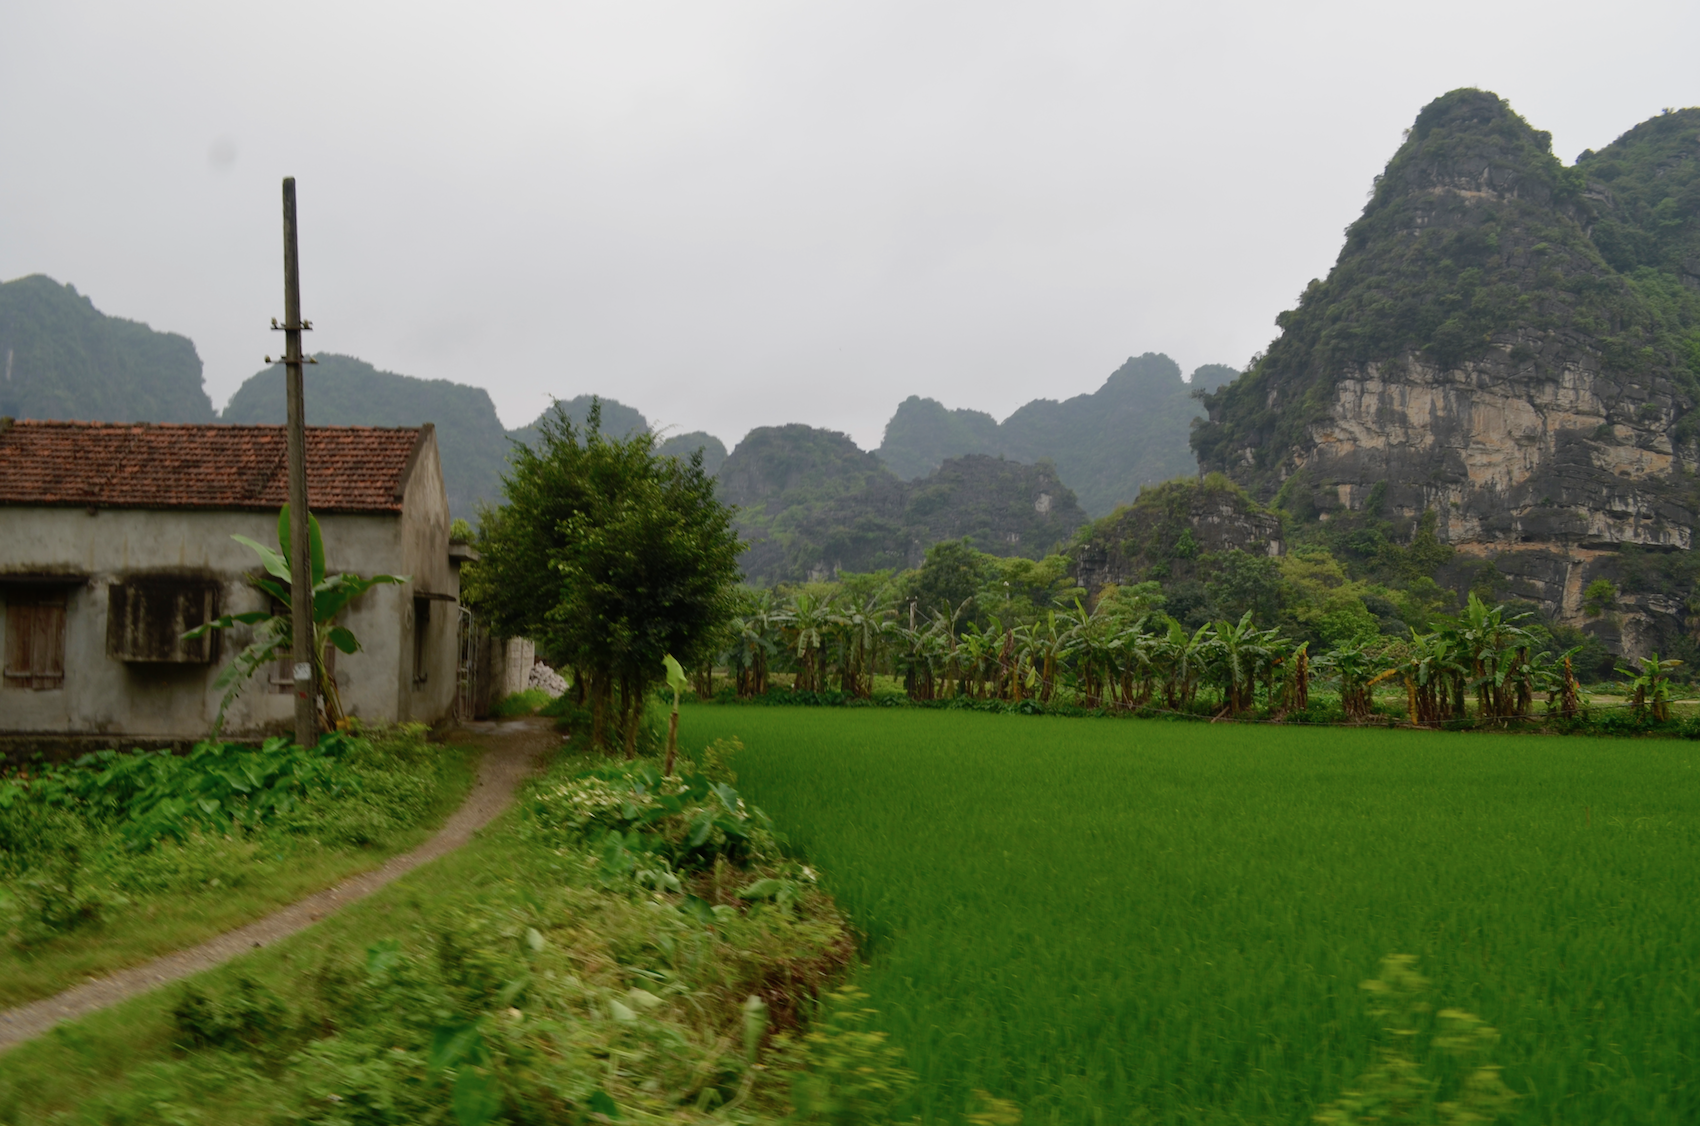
(182, 465)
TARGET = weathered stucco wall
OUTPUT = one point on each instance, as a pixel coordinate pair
(423, 546)
(104, 696)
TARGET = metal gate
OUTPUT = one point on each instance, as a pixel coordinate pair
(470, 637)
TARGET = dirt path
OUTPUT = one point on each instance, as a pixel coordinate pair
(511, 748)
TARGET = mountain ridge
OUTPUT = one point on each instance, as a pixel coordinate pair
(1130, 432)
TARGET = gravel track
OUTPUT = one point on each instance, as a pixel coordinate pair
(511, 749)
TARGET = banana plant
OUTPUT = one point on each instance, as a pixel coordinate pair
(1044, 647)
(757, 637)
(274, 631)
(1240, 653)
(863, 628)
(1650, 686)
(1356, 667)
(809, 621)
(675, 681)
(1183, 658)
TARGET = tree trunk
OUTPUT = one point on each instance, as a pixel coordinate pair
(632, 709)
(598, 707)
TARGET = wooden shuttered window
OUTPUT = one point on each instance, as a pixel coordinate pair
(146, 620)
(35, 640)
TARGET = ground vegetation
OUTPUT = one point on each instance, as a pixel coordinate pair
(123, 856)
(625, 946)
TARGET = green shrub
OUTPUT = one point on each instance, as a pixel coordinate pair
(644, 826)
(248, 1016)
(1599, 598)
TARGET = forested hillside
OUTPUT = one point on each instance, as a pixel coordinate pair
(684, 445)
(60, 357)
(617, 418)
(812, 504)
(1132, 431)
(344, 391)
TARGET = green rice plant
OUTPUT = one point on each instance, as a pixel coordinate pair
(1147, 921)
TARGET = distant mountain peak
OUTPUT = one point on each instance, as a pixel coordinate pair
(60, 357)
(1106, 444)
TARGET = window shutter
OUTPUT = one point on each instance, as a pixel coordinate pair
(146, 620)
(35, 641)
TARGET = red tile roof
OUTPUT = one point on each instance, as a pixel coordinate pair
(183, 465)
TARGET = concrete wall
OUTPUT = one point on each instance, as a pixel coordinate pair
(518, 655)
(102, 696)
(423, 543)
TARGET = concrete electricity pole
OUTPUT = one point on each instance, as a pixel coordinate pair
(300, 554)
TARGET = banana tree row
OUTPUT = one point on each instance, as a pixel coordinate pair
(1112, 657)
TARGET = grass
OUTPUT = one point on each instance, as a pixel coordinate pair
(516, 704)
(1160, 922)
(579, 984)
(176, 895)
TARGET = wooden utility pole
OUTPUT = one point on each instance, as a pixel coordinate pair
(300, 554)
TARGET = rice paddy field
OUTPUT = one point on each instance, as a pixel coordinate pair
(1142, 921)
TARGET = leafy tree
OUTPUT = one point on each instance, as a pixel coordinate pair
(1244, 583)
(952, 577)
(610, 556)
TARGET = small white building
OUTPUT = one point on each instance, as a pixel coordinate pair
(115, 540)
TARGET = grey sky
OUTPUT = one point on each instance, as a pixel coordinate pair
(739, 214)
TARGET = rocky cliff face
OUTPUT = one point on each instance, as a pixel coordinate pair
(1474, 353)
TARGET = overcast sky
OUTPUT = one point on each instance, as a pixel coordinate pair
(739, 214)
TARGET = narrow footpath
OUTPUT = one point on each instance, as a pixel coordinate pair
(511, 749)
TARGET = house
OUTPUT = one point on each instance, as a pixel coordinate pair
(115, 539)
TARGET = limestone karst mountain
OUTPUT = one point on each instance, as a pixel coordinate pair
(1130, 432)
(60, 357)
(684, 445)
(811, 503)
(474, 445)
(1506, 342)
(344, 390)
